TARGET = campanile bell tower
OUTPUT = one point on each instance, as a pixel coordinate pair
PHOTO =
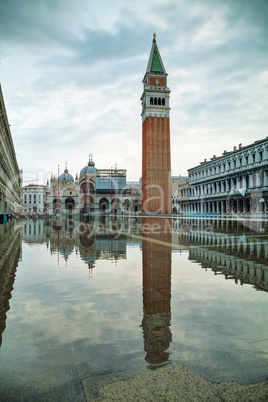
(156, 166)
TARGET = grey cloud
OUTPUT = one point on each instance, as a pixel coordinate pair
(35, 23)
(214, 53)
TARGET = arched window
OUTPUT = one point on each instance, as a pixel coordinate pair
(159, 101)
(151, 100)
(262, 178)
(155, 101)
(163, 101)
(247, 181)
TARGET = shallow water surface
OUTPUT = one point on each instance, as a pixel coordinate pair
(82, 305)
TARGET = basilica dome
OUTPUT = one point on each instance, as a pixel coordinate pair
(90, 168)
(66, 177)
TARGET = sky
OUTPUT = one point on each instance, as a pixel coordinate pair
(71, 74)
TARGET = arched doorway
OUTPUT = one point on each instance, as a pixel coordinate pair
(69, 205)
(115, 205)
(235, 206)
(240, 205)
(127, 205)
(174, 210)
(87, 204)
(247, 205)
(57, 205)
(104, 203)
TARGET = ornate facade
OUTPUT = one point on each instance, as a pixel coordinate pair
(94, 192)
(10, 175)
(234, 183)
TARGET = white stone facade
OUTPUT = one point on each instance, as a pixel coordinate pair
(34, 199)
(234, 183)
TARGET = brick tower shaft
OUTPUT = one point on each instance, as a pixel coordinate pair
(156, 165)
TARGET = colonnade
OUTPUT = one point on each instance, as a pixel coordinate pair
(258, 179)
(231, 205)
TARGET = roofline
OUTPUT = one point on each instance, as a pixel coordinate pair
(34, 185)
(154, 45)
(228, 153)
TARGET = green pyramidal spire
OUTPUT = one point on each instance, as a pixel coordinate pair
(155, 64)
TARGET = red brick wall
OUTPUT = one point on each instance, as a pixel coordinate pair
(152, 79)
(156, 177)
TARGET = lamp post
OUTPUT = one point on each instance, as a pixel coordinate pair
(111, 187)
(85, 191)
(58, 209)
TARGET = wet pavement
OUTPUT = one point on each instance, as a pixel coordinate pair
(85, 305)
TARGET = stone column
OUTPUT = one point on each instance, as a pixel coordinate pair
(258, 179)
(231, 206)
(257, 200)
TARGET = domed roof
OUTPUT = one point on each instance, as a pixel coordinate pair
(90, 168)
(66, 176)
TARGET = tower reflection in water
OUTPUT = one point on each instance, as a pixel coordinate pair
(156, 264)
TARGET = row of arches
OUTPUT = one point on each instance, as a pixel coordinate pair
(157, 101)
(229, 206)
(88, 203)
(248, 181)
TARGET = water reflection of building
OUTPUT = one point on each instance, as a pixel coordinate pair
(10, 253)
(100, 242)
(100, 239)
(156, 262)
(34, 231)
(236, 254)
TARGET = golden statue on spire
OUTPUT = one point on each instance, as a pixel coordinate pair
(154, 35)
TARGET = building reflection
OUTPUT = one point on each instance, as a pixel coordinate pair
(237, 251)
(34, 231)
(156, 264)
(10, 254)
(101, 239)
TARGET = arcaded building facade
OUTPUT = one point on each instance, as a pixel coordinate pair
(235, 182)
(10, 175)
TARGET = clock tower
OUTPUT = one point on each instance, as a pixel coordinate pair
(156, 165)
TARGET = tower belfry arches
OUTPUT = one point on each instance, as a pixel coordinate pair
(156, 164)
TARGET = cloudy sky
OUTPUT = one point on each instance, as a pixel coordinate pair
(71, 74)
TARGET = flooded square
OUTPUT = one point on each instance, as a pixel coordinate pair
(84, 304)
